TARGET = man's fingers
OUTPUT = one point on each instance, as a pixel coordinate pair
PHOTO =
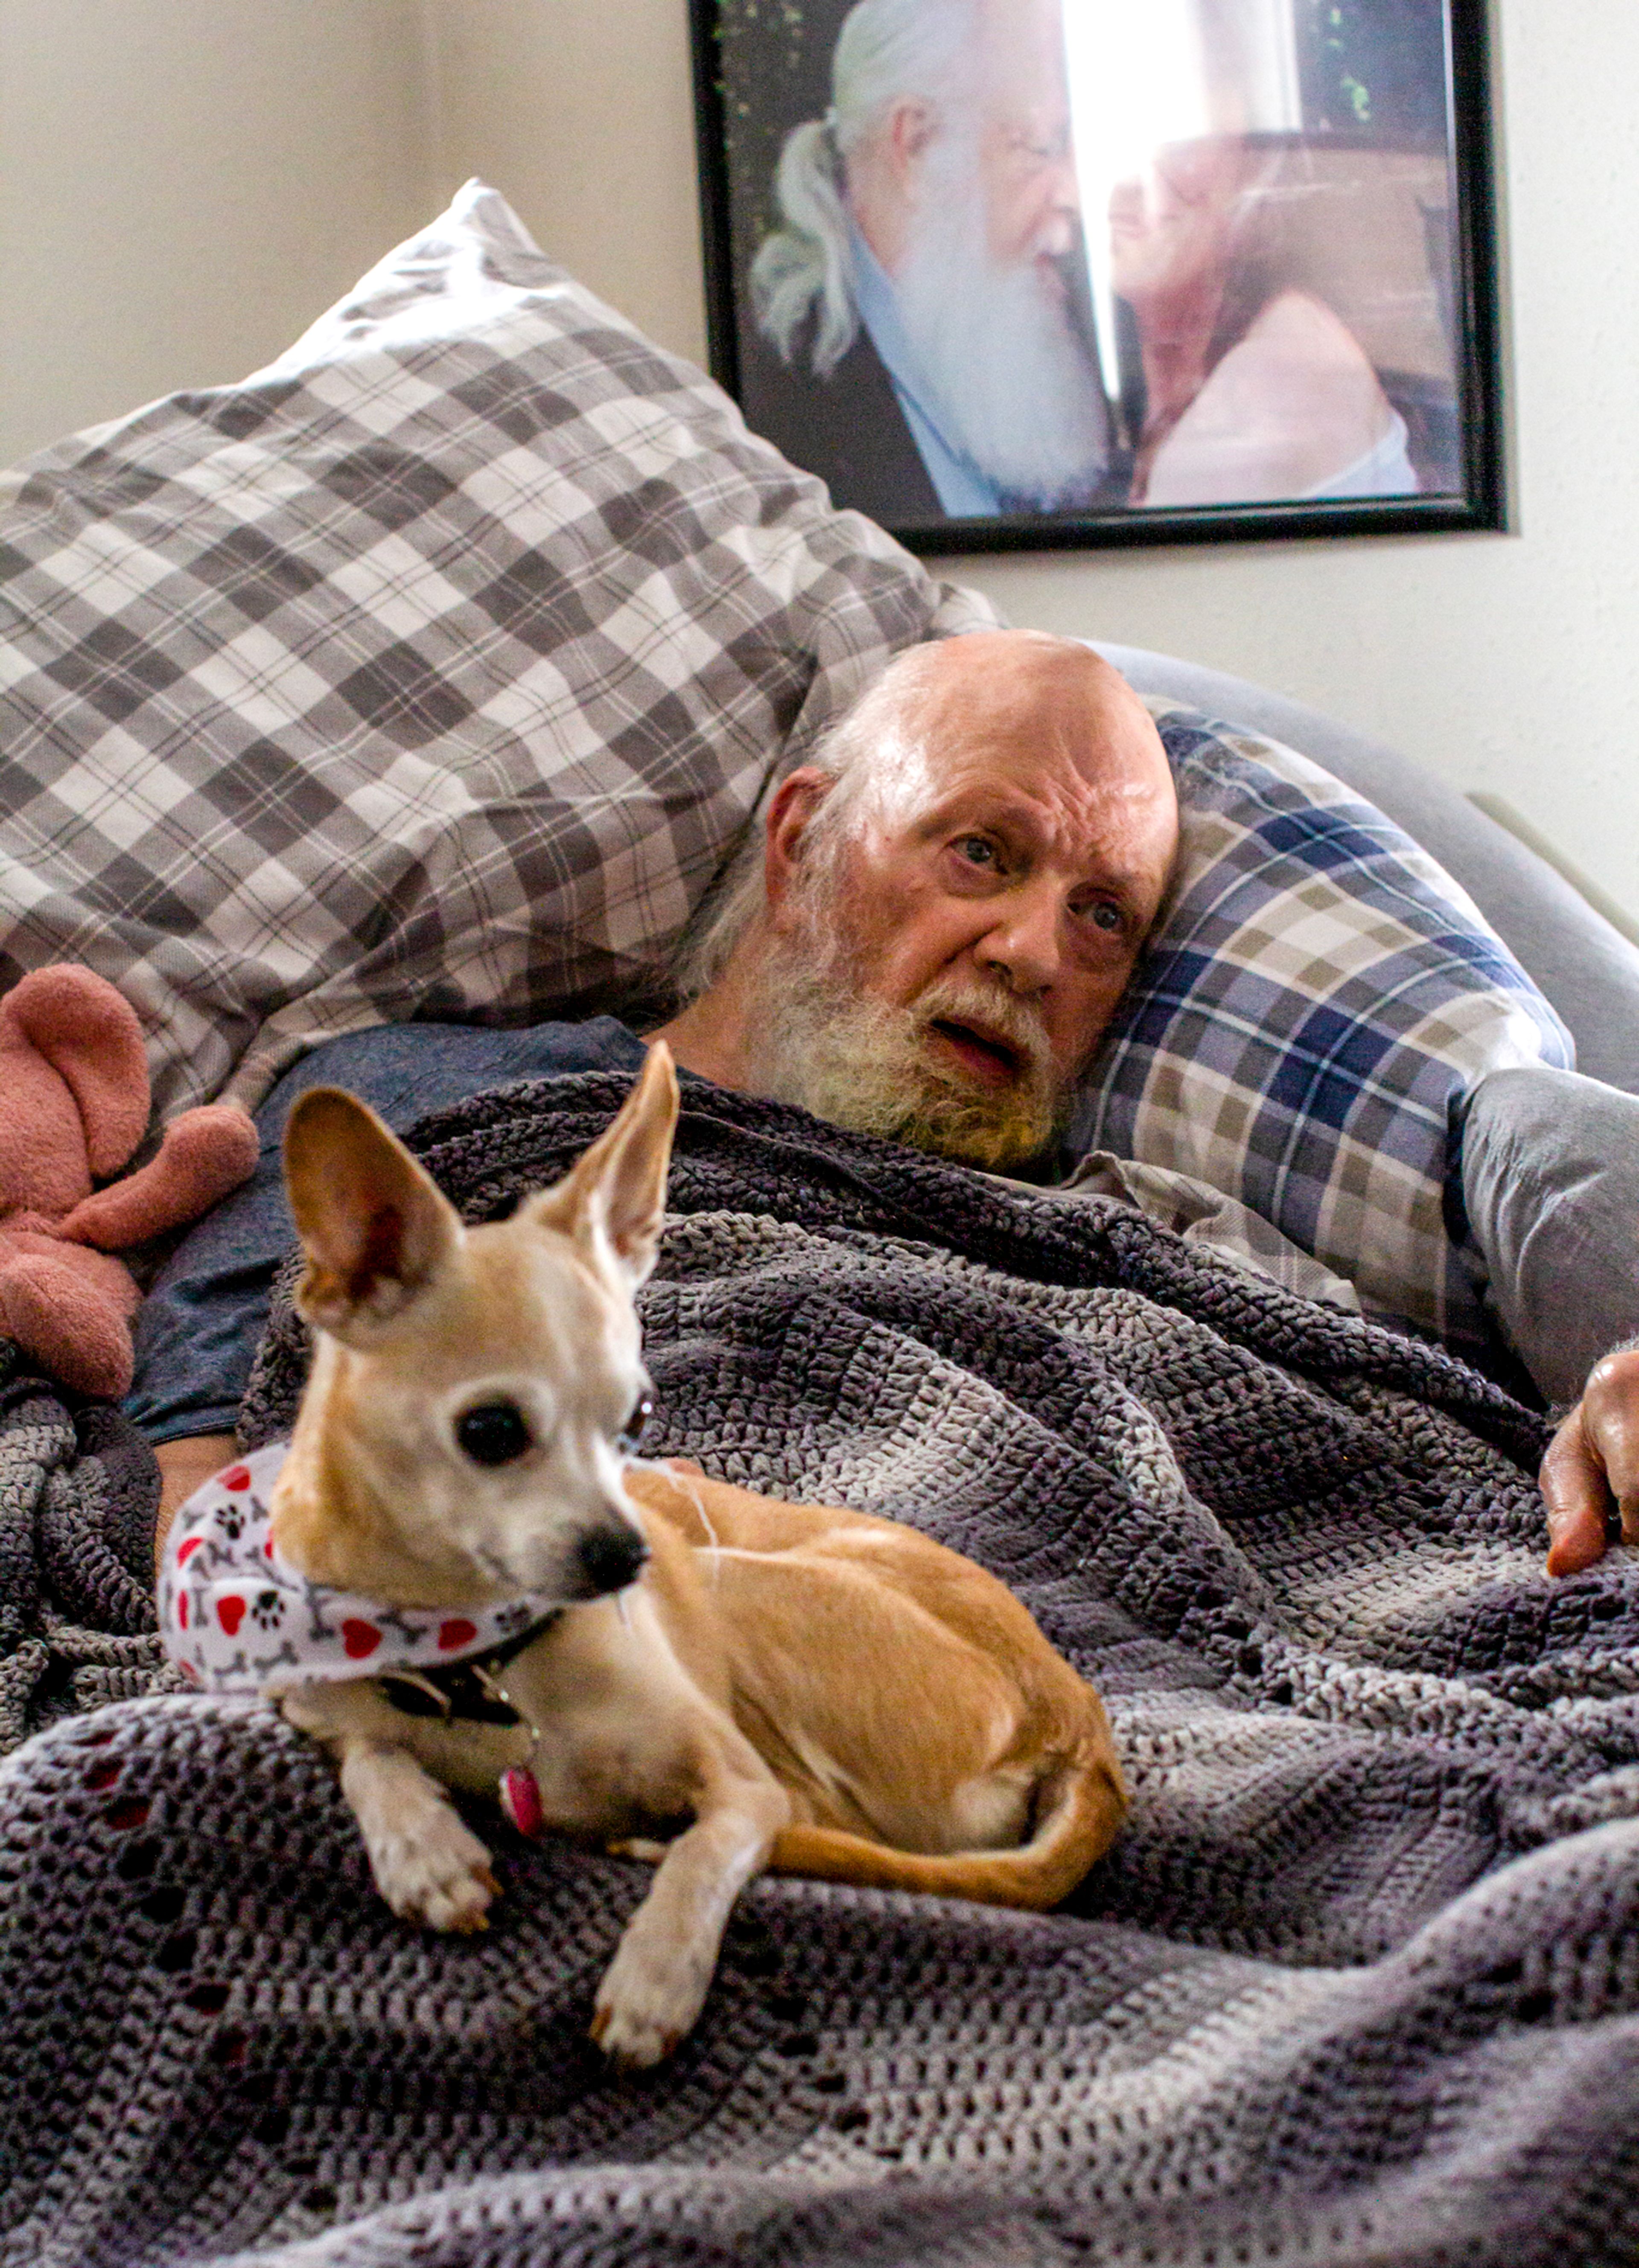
(1579, 1501)
(1610, 1418)
(1592, 1470)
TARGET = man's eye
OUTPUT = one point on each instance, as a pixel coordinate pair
(1105, 917)
(1042, 149)
(976, 851)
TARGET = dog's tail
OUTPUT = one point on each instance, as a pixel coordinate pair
(1081, 1807)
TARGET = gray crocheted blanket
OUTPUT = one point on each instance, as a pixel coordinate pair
(1357, 1983)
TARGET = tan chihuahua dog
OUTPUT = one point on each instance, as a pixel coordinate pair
(811, 1689)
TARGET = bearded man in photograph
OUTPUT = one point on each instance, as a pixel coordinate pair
(916, 343)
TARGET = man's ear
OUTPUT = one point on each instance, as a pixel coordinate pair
(374, 1227)
(615, 1200)
(912, 125)
(790, 813)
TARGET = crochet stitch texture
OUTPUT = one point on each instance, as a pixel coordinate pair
(1358, 1983)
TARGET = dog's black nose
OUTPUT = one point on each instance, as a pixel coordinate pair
(610, 1556)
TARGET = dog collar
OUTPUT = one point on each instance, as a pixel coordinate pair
(468, 1689)
(237, 1617)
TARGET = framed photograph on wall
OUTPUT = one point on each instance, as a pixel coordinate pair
(1017, 273)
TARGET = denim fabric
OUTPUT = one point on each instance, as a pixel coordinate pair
(198, 1331)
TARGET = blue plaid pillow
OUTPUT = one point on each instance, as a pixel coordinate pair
(1320, 997)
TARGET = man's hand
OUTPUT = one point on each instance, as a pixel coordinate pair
(1591, 1472)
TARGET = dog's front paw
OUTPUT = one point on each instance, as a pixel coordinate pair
(441, 1877)
(649, 2000)
(427, 1865)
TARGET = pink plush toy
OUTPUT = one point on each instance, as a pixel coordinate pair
(74, 1104)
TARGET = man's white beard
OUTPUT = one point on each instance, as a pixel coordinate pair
(1010, 382)
(871, 1067)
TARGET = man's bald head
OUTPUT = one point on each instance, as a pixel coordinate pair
(997, 696)
(993, 680)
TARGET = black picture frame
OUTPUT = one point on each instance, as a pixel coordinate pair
(743, 111)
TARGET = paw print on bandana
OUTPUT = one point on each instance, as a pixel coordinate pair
(232, 1517)
(267, 1610)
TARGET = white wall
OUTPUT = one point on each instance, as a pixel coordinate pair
(581, 113)
(185, 183)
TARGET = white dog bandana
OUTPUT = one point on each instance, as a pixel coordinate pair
(236, 1617)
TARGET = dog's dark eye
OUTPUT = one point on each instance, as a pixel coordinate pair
(631, 1432)
(494, 1433)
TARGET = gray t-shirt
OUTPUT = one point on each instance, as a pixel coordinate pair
(1550, 1179)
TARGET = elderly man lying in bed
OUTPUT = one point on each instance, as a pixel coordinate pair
(927, 946)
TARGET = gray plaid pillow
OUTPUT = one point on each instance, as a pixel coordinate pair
(1320, 1001)
(429, 672)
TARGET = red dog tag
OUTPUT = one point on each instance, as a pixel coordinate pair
(520, 1801)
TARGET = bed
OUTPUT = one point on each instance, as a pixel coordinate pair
(1358, 1981)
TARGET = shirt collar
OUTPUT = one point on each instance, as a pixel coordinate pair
(963, 490)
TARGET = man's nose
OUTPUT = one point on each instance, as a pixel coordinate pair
(1060, 212)
(1023, 944)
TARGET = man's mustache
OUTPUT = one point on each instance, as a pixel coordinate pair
(992, 1014)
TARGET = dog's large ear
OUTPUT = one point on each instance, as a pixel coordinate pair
(375, 1228)
(616, 1197)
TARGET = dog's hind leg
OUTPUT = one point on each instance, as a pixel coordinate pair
(1085, 1802)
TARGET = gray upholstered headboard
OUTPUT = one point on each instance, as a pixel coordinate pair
(1588, 970)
